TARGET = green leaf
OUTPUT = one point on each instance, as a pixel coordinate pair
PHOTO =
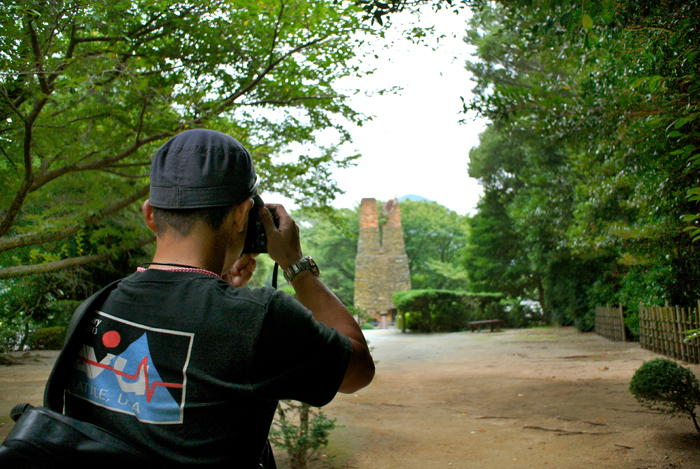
(586, 21)
(252, 69)
(684, 120)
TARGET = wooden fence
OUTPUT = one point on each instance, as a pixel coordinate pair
(609, 323)
(662, 330)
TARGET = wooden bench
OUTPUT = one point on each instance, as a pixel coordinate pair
(495, 324)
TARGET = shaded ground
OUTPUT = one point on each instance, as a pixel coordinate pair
(541, 398)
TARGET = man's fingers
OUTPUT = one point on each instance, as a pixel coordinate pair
(241, 271)
(282, 241)
(251, 265)
(278, 209)
(266, 219)
(285, 219)
(245, 262)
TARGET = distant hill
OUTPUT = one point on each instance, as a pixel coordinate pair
(414, 198)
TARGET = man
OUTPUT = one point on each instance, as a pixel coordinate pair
(184, 362)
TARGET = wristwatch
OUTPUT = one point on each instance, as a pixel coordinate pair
(305, 263)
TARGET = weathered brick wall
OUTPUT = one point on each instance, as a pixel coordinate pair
(382, 265)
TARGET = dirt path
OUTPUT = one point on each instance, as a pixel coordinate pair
(546, 398)
(551, 398)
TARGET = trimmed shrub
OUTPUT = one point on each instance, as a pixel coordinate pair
(445, 310)
(48, 338)
(662, 382)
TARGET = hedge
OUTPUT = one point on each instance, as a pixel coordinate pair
(445, 310)
(49, 338)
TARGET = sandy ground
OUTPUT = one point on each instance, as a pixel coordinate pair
(541, 398)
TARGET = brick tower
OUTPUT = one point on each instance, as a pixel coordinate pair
(381, 267)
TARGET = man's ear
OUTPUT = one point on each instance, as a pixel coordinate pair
(240, 215)
(147, 211)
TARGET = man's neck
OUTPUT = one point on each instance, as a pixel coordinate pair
(193, 250)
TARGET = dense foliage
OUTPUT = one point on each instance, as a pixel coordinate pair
(675, 389)
(34, 302)
(590, 163)
(88, 90)
(431, 310)
(434, 237)
(332, 242)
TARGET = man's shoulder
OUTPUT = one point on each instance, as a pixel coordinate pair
(261, 296)
(162, 287)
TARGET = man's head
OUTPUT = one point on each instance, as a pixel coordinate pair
(199, 175)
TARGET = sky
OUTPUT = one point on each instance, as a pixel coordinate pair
(415, 143)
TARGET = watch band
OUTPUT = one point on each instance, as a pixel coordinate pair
(305, 263)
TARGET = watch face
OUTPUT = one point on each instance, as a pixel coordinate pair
(314, 267)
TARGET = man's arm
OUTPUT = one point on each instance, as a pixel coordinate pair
(284, 247)
(328, 309)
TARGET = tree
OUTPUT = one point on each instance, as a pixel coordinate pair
(379, 10)
(301, 431)
(48, 300)
(90, 89)
(330, 237)
(434, 236)
(493, 254)
(598, 100)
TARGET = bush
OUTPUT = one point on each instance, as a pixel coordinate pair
(664, 383)
(48, 338)
(301, 431)
(445, 310)
(521, 314)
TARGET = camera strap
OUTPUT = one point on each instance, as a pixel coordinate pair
(274, 275)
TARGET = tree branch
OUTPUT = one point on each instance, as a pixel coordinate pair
(130, 165)
(20, 270)
(125, 175)
(271, 65)
(34, 40)
(14, 209)
(143, 113)
(101, 164)
(16, 205)
(30, 239)
(13, 105)
(288, 101)
(96, 39)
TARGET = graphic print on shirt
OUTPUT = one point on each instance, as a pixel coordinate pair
(134, 369)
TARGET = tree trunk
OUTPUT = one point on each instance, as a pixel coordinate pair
(299, 458)
(540, 298)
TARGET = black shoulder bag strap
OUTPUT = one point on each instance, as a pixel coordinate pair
(55, 386)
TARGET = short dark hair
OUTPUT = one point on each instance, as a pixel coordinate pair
(182, 220)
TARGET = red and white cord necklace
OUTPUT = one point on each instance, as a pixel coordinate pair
(178, 268)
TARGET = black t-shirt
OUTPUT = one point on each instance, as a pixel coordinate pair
(191, 368)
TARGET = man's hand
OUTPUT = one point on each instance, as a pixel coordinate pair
(241, 271)
(283, 243)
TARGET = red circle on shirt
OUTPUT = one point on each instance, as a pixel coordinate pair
(111, 339)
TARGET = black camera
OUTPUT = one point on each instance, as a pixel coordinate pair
(256, 238)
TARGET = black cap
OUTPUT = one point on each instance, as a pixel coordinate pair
(201, 168)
